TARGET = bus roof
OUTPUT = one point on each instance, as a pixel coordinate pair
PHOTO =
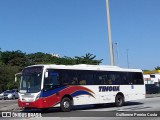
(88, 67)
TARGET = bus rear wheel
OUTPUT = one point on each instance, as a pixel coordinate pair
(119, 100)
(66, 104)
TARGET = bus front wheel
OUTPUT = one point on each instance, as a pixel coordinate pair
(119, 100)
(66, 104)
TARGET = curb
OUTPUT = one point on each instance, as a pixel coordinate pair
(152, 95)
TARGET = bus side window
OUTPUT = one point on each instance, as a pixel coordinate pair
(51, 81)
(111, 79)
(47, 84)
(65, 79)
(118, 79)
(54, 76)
(48, 81)
(137, 78)
(124, 80)
(102, 80)
(74, 81)
(82, 82)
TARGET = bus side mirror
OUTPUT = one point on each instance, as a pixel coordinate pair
(46, 74)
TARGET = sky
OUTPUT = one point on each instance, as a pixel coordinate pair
(76, 27)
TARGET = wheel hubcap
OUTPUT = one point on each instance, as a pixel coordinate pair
(119, 100)
(66, 104)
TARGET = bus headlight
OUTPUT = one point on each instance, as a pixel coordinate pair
(37, 97)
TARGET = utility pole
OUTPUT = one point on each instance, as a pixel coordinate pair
(109, 34)
(117, 55)
(127, 58)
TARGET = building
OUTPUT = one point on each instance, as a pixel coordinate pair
(55, 55)
(152, 77)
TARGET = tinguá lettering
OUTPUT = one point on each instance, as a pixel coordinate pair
(109, 88)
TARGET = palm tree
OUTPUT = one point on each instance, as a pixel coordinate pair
(157, 68)
(88, 59)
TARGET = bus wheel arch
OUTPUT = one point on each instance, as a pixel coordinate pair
(66, 103)
(119, 99)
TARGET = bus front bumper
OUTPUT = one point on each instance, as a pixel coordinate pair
(36, 104)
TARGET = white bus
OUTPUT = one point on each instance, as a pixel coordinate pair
(45, 86)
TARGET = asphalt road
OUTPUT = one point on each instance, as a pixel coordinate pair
(8, 105)
(91, 112)
(148, 105)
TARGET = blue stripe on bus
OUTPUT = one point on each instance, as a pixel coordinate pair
(51, 92)
(80, 92)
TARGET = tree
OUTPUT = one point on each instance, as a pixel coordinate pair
(7, 73)
(13, 58)
(88, 59)
(12, 62)
(38, 58)
(0, 57)
(157, 68)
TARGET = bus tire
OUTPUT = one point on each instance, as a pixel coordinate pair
(119, 100)
(66, 104)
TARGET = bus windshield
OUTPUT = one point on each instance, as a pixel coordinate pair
(31, 80)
